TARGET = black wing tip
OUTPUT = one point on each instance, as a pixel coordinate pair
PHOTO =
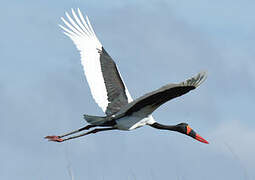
(196, 80)
(201, 77)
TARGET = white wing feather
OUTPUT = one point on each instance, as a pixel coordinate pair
(83, 36)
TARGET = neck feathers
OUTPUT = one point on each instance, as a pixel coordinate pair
(164, 127)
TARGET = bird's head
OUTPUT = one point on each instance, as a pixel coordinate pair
(184, 128)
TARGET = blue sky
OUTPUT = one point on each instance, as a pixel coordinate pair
(43, 90)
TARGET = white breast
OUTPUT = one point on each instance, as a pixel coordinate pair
(132, 122)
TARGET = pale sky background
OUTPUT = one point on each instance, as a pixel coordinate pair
(154, 42)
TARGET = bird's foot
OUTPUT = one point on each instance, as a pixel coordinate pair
(54, 138)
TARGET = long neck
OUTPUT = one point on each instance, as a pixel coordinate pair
(164, 127)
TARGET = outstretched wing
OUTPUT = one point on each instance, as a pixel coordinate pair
(104, 80)
(151, 101)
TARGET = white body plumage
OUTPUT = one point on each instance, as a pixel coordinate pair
(132, 122)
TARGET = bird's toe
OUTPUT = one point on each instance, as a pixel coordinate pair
(54, 138)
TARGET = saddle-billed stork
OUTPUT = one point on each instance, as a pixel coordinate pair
(110, 92)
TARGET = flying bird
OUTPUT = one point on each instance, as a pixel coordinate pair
(110, 92)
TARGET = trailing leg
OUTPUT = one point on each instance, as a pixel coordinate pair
(58, 138)
(87, 133)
